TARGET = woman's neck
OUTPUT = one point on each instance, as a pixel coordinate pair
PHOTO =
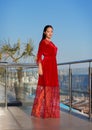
(48, 39)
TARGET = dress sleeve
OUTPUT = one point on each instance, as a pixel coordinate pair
(40, 52)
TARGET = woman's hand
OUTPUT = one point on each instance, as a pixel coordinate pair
(40, 71)
(35, 58)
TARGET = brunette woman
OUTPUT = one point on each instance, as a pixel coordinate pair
(47, 99)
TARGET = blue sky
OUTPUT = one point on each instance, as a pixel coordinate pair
(71, 20)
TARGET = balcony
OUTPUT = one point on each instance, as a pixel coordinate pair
(75, 97)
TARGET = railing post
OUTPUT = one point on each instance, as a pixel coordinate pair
(70, 86)
(90, 93)
(6, 86)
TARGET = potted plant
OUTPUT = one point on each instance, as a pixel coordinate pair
(15, 53)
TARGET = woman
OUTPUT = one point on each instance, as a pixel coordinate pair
(47, 100)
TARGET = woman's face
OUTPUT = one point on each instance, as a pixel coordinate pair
(49, 33)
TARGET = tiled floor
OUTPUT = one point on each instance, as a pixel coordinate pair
(14, 118)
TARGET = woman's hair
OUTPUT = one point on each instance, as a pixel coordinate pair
(44, 30)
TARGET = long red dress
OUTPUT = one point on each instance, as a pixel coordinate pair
(47, 99)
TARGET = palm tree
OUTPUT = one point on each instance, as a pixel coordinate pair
(15, 53)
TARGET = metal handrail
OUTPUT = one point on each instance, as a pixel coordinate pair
(30, 65)
(75, 62)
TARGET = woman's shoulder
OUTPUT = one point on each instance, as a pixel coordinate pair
(43, 42)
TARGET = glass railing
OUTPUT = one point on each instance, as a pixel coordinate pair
(75, 86)
(18, 84)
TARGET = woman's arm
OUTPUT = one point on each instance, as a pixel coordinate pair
(40, 71)
(39, 57)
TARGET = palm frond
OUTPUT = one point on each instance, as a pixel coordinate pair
(15, 52)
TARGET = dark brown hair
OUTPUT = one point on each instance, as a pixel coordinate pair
(44, 30)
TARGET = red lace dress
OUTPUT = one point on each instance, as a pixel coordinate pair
(47, 99)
